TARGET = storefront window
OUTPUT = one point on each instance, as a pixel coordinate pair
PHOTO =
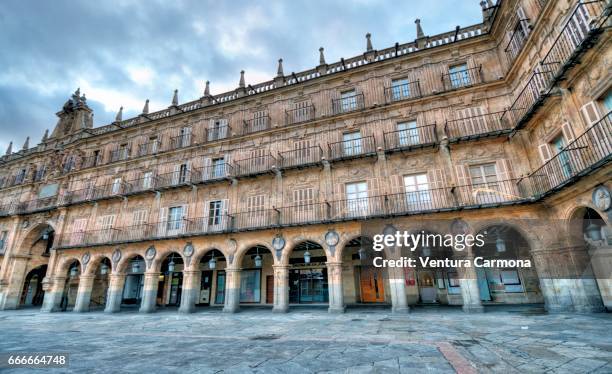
(250, 286)
(308, 286)
(220, 293)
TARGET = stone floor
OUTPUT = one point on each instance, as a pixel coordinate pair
(437, 340)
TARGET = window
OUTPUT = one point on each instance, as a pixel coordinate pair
(3, 240)
(352, 143)
(303, 199)
(400, 89)
(147, 180)
(96, 158)
(139, 217)
(78, 231)
(153, 144)
(250, 286)
(348, 101)
(175, 218)
(417, 191)
(220, 291)
(218, 167)
(260, 121)
(303, 149)
(116, 186)
(19, 178)
(42, 170)
(301, 112)
(558, 145)
(408, 133)
(182, 174)
(217, 129)
(486, 188)
(185, 137)
(215, 212)
(458, 75)
(357, 198)
(607, 101)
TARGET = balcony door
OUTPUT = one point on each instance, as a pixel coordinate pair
(408, 134)
(174, 224)
(458, 75)
(215, 216)
(558, 145)
(400, 89)
(348, 101)
(485, 184)
(418, 195)
(357, 199)
(352, 144)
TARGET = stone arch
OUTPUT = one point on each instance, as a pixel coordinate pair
(66, 264)
(95, 261)
(32, 233)
(160, 257)
(577, 218)
(296, 241)
(244, 247)
(124, 262)
(200, 253)
(530, 237)
(340, 247)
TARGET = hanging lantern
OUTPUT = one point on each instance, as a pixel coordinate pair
(362, 253)
(45, 235)
(104, 269)
(258, 261)
(500, 245)
(74, 272)
(593, 232)
(307, 257)
(136, 267)
(171, 265)
(212, 264)
(426, 251)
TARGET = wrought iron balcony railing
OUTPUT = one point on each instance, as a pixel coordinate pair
(528, 99)
(91, 161)
(254, 165)
(36, 205)
(142, 184)
(300, 115)
(149, 148)
(587, 152)
(180, 141)
(488, 124)
(348, 104)
(257, 124)
(6, 209)
(211, 173)
(353, 148)
(411, 138)
(217, 133)
(173, 179)
(301, 157)
(517, 40)
(404, 91)
(119, 155)
(462, 78)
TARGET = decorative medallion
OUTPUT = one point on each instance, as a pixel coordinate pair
(459, 227)
(278, 243)
(150, 253)
(85, 259)
(332, 238)
(602, 198)
(116, 256)
(188, 250)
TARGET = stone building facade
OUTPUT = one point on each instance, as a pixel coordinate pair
(270, 194)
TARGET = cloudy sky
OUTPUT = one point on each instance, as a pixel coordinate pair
(122, 52)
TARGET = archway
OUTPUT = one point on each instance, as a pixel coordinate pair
(308, 278)
(73, 273)
(364, 283)
(170, 286)
(33, 293)
(99, 291)
(213, 278)
(134, 269)
(508, 274)
(257, 276)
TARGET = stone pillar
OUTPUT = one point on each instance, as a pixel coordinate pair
(232, 291)
(334, 281)
(601, 261)
(149, 293)
(397, 283)
(84, 293)
(191, 291)
(53, 295)
(115, 293)
(281, 289)
(12, 291)
(468, 280)
(566, 279)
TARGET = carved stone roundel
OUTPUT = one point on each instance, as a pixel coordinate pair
(332, 238)
(150, 253)
(188, 250)
(85, 259)
(116, 255)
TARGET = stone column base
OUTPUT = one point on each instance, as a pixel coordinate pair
(280, 309)
(473, 308)
(401, 310)
(336, 309)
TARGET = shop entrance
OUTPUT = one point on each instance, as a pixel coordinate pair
(308, 274)
(372, 284)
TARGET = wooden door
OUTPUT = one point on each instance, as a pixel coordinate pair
(372, 285)
(270, 289)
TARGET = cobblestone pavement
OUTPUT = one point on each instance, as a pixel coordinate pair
(504, 340)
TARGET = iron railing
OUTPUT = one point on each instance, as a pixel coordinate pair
(528, 99)
(91, 161)
(462, 78)
(254, 165)
(348, 103)
(488, 124)
(121, 154)
(300, 157)
(141, 184)
(517, 40)
(353, 148)
(211, 173)
(149, 148)
(257, 124)
(300, 115)
(180, 141)
(404, 91)
(36, 205)
(590, 150)
(217, 133)
(411, 138)
(173, 179)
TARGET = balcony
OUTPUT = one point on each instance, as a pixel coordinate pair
(354, 148)
(462, 78)
(300, 115)
(119, 155)
(256, 124)
(6, 209)
(93, 193)
(528, 100)
(411, 138)
(580, 157)
(180, 141)
(254, 166)
(300, 158)
(142, 184)
(212, 173)
(173, 179)
(348, 104)
(36, 205)
(405, 91)
(91, 161)
(217, 133)
(89, 238)
(150, 148)
(253, 220)
(517, 40)
(475, 127)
